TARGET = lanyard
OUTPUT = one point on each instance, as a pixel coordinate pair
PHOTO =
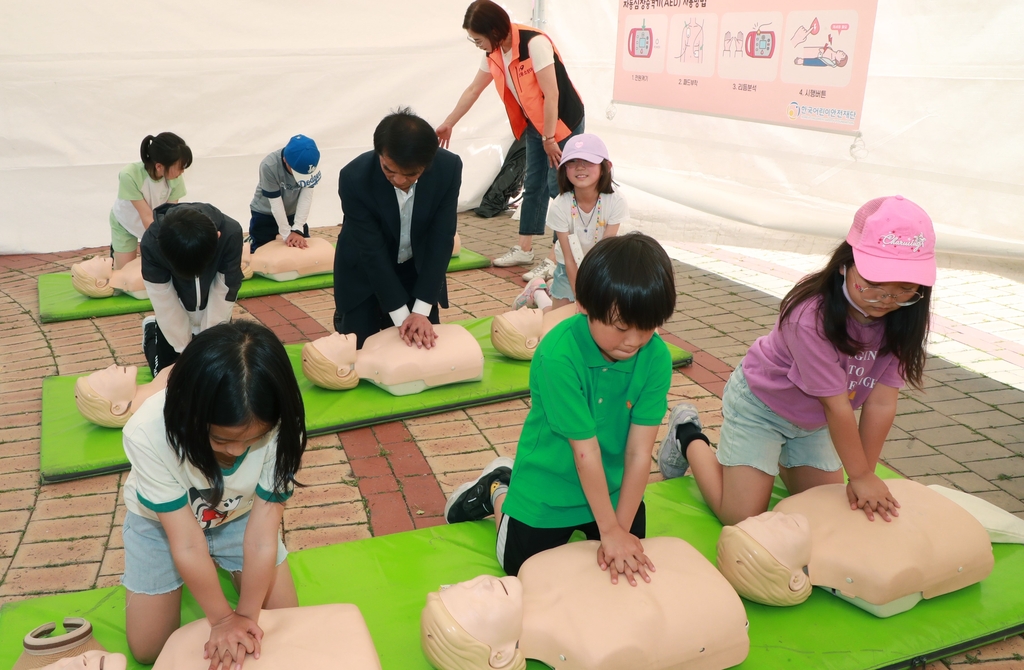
(574, 210)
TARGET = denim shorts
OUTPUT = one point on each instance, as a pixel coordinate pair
(754, 435)
(559, 286)
(148, 565)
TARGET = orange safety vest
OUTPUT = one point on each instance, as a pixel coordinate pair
(530, 108)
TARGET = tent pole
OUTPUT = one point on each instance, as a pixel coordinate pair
(538, 20)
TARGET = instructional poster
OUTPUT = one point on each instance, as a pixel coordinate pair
(801, 63)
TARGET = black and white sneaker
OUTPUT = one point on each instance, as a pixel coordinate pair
(472, 500)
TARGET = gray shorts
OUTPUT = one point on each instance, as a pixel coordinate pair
(754, 435)
(559, 286)
(148, 565)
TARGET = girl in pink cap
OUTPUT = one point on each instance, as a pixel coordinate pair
(587, 210)
(848, 337)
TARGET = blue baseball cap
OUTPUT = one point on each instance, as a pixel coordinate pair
(302, 157)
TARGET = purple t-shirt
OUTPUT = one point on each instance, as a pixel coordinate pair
(795, 364)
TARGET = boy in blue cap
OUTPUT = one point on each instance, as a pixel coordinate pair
(284, 194)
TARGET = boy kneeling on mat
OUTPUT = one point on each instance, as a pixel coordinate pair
(192, 270)
(598, 383)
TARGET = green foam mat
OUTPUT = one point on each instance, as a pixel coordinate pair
(59, 301)
(72, 448)
(388, 577)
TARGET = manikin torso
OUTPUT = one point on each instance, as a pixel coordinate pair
(320, 636)
(566, 613)
(687, 616)
(276, 260)
(387, 361)
(933, 547)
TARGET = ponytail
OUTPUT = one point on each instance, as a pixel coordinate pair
(165, 149)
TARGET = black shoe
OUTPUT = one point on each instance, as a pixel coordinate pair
(472, 500)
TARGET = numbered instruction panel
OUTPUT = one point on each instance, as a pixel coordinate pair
(797, 63)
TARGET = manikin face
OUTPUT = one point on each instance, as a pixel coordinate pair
(787, 537)
(100, 268)
(616, 340)
(338, 348)
(877, 310)
(116, 384)
(491, 611)
(583, 174)
(402, 178)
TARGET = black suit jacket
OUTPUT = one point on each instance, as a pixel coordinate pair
(366, 259)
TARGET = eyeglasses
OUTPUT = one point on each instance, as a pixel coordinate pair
(874, 294)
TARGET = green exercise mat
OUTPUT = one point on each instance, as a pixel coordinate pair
(59, 301)
(388, 577)
(72, 448)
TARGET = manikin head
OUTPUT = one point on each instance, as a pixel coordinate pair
(474, 625)
(105, 397)
(329, 361)
(517, 334)
(92, 277)
(763, 557)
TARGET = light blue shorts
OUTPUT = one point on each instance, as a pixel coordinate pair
(559, 286)
(148, 565)
(754, 435)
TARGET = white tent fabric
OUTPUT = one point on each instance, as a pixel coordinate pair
(82, 84)
(941, 125)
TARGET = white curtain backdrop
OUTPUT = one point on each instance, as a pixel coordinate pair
(82, 83)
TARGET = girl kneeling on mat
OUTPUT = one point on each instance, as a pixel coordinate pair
(847, 337)
(213, 460)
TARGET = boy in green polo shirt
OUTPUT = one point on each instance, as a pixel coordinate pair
(599, 383)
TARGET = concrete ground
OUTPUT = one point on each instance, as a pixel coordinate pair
(963, 430)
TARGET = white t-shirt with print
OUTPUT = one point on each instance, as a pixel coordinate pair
(541, 53)
(587, 226)
(134, 183)
(158, 483)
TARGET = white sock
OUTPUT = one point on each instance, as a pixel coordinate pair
(542, 299)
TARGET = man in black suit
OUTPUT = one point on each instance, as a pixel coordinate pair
(396, 240)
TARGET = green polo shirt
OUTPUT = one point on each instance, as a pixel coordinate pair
(578, 394)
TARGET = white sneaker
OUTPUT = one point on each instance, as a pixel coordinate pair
(545, 270)
(515, 256)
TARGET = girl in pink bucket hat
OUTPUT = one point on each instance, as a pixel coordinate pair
(848, 337)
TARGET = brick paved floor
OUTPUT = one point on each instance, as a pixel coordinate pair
(963, 430)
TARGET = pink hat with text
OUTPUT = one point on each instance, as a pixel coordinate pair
(893, 241)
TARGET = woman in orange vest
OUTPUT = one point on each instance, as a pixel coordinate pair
(527, 70)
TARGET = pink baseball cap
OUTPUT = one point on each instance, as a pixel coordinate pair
(586, 147)
(893, 241)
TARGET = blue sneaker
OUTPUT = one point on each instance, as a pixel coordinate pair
(671, 457)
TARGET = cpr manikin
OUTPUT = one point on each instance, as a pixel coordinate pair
(763, 557)
(932, 548)
(97, 277)
(320, 636)
(332, 362)
(574, 618)
(111, 396)
(517, 334)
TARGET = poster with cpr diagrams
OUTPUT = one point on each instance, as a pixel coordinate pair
(800, 63)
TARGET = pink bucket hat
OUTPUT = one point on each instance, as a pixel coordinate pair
(586, 147)
(893, 241)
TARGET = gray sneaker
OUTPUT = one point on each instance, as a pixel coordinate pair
(671, 459)
(546, 270)
(514, 256)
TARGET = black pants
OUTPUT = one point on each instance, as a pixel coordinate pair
(263, 229)
(522, 541)
(368, 317)
(159, 352)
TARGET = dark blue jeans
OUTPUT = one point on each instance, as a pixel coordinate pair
(540, 183)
